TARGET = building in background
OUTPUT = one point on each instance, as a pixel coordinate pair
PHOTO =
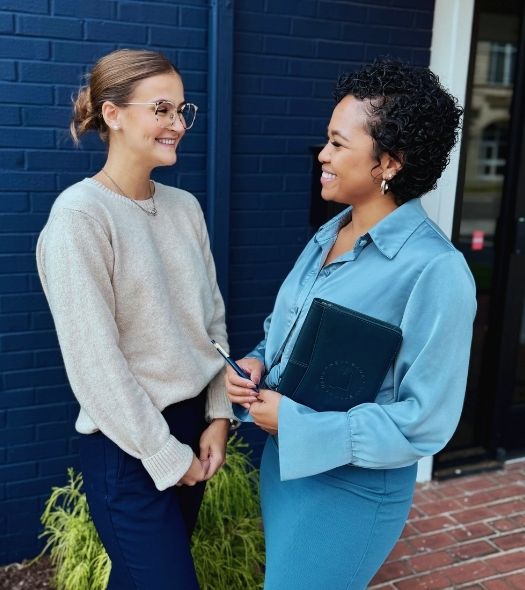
(262, 73)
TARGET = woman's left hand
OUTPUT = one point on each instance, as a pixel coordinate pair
(265, 410)
(213, 446)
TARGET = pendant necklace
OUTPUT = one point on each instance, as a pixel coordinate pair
(152, 212)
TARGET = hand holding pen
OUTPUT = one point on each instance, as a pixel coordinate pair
(239, 370)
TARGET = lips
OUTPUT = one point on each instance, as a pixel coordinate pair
(327, 177)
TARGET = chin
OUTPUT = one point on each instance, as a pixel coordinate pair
(172, 160)
(166, 160)
(328, 196)
(336, 199)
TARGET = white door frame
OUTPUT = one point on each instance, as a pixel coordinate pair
(449, 59)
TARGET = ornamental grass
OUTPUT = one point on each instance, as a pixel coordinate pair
(227, 545)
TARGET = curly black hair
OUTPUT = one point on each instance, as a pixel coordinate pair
(411, 117)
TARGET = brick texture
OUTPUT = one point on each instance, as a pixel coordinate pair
(45, 49)
(482, 555)
(287, 56)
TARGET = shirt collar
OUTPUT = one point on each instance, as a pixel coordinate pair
(389, 234)
(329, 230)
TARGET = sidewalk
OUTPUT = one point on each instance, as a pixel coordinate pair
(466, 533)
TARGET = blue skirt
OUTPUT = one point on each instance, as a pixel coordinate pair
(333, 530)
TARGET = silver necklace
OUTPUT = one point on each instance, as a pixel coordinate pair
(147, 211)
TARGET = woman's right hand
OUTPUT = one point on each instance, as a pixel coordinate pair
(195, 474)
(242, 391)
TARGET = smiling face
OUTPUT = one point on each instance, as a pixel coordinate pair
(350, 173)
(144, 140)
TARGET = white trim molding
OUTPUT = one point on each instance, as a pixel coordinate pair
(449, 59)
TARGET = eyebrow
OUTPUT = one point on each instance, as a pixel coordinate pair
(339, 134)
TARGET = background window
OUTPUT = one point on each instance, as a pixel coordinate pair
(493, 151)
(501, 65)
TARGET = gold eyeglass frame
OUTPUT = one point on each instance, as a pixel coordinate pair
(178, 111)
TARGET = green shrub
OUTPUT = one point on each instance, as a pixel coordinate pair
(227, 545)
(80, 561)
(228, 542)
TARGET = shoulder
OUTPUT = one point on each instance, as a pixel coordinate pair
(75, 213)
(437, 252)
(431, 239)
(437, 263)
(177, 198)
(183, 208)
(430, 248)
(446, 282)
(77, 207)
(80, 197)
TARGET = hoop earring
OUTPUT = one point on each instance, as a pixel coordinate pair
(384, 187)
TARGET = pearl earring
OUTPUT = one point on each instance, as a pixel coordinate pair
(115, 127)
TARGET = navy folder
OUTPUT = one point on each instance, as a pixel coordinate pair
(340, 358)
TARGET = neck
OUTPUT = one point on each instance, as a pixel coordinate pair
(132, 178)
(365, 215)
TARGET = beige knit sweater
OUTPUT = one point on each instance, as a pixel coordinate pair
(135, 302)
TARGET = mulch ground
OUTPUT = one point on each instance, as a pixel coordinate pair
(23, 577)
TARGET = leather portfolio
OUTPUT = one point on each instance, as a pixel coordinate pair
(340, 358)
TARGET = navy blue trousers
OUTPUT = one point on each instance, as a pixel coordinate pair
(146, 533)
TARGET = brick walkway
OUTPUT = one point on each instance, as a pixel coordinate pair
(466, 533)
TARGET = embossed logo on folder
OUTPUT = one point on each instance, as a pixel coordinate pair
(342, 380)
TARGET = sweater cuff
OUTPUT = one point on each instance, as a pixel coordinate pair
(217, 403)
(168, 465)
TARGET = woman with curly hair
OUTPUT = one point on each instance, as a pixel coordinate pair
(337, 486)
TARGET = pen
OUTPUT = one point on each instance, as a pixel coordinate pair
(241, 372)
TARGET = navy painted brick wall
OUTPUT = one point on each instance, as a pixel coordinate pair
(46, 46)
(287, 57)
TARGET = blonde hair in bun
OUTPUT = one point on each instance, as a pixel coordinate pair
(113, 78)
(84, 117)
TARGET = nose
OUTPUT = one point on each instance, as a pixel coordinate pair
(176, 125)
(324, 154)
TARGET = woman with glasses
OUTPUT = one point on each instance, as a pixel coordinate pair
(127, 270)
(336, 486)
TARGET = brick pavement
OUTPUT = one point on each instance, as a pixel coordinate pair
(466, 533)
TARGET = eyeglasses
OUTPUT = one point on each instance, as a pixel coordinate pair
(165, 112)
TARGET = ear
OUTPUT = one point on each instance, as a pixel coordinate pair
(110, 113)
(390, 166)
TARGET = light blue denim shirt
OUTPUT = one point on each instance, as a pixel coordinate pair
(403, 271)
